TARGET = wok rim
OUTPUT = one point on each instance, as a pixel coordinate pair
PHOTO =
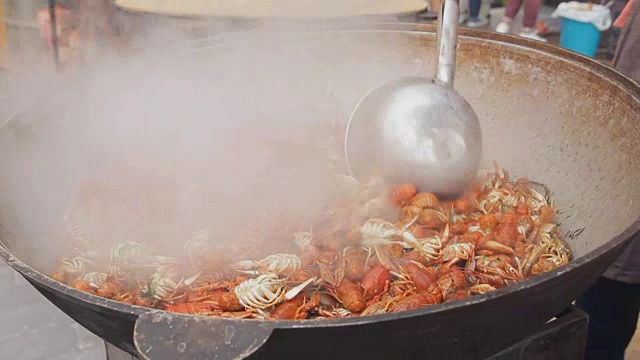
(611, 75)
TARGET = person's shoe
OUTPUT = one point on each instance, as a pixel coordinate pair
(477, 22)
(462, 18)
(533, 35)
(503, 28)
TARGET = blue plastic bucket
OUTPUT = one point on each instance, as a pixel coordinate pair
(580, 37)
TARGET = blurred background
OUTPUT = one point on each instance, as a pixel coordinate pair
(90, 30)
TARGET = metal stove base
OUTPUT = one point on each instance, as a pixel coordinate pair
(564, 337)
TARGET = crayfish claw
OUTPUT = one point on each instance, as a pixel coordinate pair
(249, 272)
(244, 265)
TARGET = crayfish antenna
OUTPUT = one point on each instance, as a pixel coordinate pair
(410, 223)
(296, 290)
(190, 280)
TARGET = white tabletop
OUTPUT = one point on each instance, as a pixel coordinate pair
(273, 8)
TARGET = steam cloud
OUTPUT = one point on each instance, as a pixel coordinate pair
(213, 140)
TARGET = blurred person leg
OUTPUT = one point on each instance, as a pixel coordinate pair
(485, 7)
(465, 11)
(531, 10)
(626, 61)
(613, 316)
(614, 33)
(475, 20)
(510, 12)
(613, 302)
(65, 25)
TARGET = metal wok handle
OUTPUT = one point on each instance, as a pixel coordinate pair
(447, 40)
(163, 335)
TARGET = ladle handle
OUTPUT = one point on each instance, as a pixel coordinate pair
(447, 39)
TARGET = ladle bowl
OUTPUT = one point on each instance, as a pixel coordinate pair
(419, 130)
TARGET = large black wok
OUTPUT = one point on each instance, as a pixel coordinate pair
(548, 114)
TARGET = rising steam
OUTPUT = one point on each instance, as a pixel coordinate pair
(233, 141)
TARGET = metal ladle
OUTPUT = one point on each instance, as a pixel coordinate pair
(413, 130)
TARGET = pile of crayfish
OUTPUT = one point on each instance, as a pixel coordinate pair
(385, 249)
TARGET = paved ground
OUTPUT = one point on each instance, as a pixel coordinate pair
(31, 328)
